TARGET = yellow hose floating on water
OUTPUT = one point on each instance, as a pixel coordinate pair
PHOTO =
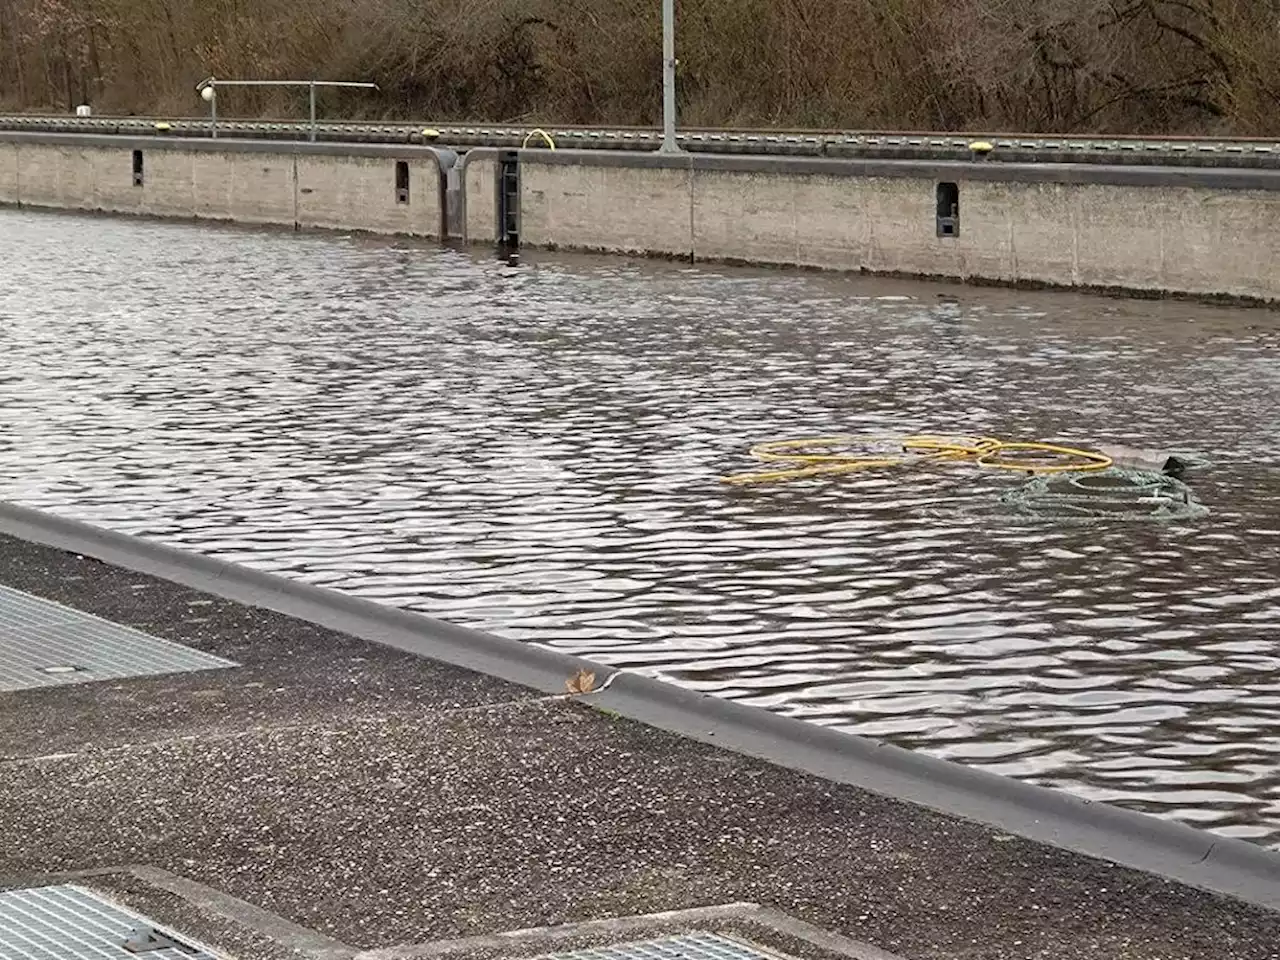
(919, 448)
(778, 451)
(1083, 459)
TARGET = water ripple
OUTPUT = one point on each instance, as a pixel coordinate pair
(536, 451)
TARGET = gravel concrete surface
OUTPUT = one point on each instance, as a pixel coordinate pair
(383, 799)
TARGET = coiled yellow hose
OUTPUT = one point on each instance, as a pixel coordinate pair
(919, 448)
(1079, 459)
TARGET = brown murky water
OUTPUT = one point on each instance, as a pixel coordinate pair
(536, 451)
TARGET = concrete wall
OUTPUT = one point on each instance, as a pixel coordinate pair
(1204, 231)
(338, 192)
(842, 223)
(480, 196)
(1201, 231)
(607, 207)
(299, 185)
(8, 173)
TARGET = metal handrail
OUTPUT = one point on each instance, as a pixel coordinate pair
(208, 89)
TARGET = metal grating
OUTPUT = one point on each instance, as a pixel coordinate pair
(698, 945)
(45, 644)
(70, 923)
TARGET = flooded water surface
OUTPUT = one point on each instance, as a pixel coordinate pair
(537, 451)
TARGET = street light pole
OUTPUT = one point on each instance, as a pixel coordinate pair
(669, 144)
(209, 92)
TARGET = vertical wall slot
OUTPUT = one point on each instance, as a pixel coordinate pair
(137, 168)
(948, 210)
(509, 199)
(402, 181)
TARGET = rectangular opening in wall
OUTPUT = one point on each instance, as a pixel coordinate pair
(137, 168)
(948, 210)
(402, 181)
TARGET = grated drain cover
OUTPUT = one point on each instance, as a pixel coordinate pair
(69, 923)
(698, 945)
(44, 644)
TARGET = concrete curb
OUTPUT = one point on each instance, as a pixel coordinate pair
(749, 920)
(1164, 848)
(527, 664)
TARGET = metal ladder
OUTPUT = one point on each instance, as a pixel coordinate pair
(509, 199)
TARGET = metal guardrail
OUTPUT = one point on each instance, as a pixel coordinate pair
(208, 89)
(1040, 148)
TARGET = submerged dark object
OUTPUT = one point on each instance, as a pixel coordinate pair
(1152, 461)
(1117, 493)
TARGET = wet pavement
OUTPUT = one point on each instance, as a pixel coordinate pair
(381, 799)
(536, 451)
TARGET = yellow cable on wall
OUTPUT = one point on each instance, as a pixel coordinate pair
(538, 133)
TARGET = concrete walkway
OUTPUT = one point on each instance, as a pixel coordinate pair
(329, 796)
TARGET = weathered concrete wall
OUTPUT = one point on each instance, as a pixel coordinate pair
(8, 173)
(1198, 240)
(60, 177)
(480, 195)
(262, 188)
(1203, 231)
(208, 189)
(337, 192)
(841, 223)
(299, 185)
(607, 208)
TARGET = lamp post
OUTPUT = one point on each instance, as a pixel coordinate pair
(210, 96)
(669, 144)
